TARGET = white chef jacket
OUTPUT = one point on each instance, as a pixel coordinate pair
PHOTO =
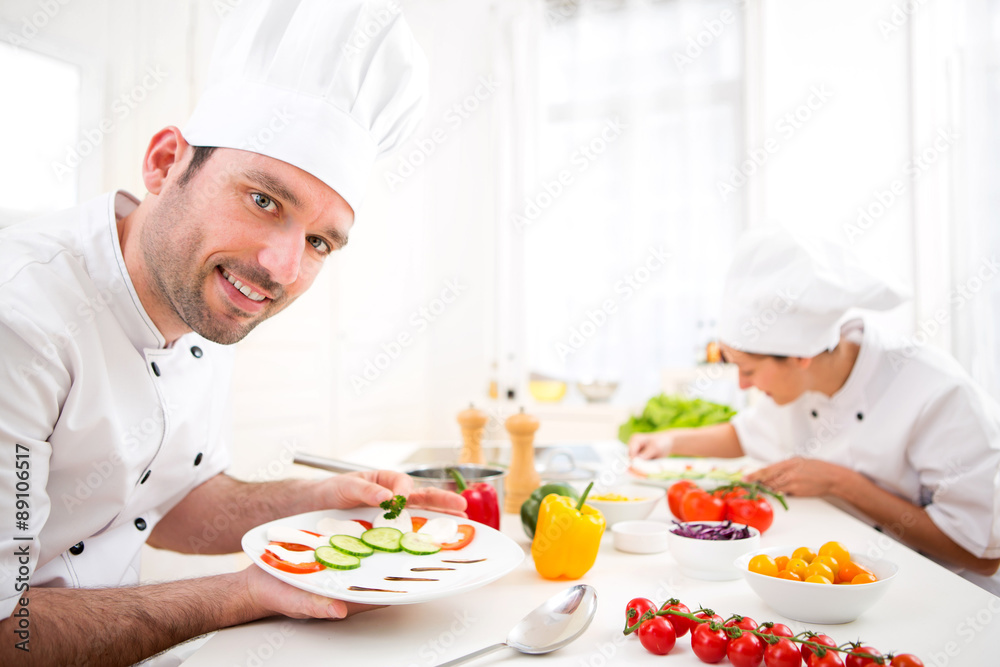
(116, 427)
(910, 419)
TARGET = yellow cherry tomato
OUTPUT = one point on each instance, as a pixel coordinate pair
(835, 549)
(804, 553)
(817, 579)
(819, 569)
(763, 564)
(781, 562)
(830, 562)
(788, 574)
(864, 578)
(797, 566)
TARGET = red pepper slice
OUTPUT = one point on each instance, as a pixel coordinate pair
(466, 533)
(291, 568)
(418, 522)
(290, 546)
(312, 533)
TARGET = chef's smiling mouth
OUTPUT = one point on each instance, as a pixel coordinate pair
(244, 289)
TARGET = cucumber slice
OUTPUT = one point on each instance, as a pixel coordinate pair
(351, 546)
(383, 539)
(336, 560)
(420, 545)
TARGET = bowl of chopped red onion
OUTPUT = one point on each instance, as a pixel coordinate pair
(707, 549)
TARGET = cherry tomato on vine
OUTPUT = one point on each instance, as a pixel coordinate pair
(708, 644)
(745, 651)
(681, 625)
(754, 512)
(822, 640)
(743, 623)
(854, 660)
(640, 606)
(906, 660)
(706, 617)
(700, 505)
(657, 636)
(675, 494)
(783, 653)
(778, 630)
(829, 659)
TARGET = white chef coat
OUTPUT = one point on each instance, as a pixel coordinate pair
(116, 426)
(910, 419)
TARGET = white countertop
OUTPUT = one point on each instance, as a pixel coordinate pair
(928, 610)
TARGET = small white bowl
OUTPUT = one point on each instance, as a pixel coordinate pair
(615, 511)
(711, 560)
(827, 604)
(640, 537)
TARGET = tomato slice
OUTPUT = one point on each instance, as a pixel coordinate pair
(290, 546)
(312, 533)
(367, 524)
(291, 568)
(418, 522)
(466, 533)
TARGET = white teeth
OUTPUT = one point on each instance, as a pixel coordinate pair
(245, 289)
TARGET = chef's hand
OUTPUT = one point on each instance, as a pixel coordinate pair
(800, 477)
(649, 445)
(269, 596)
(358, 489)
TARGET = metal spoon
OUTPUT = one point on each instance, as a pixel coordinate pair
(558, 621)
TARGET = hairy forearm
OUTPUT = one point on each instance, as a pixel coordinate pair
(719, 441)
(120, 626)
(906, 522)
(214, 516)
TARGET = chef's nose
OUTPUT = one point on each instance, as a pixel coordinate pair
(282, 255)
(745, 383)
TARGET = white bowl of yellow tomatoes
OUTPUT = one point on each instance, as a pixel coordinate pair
(831, 585)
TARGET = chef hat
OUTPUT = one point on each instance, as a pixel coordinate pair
(324, 85)
(787, 295)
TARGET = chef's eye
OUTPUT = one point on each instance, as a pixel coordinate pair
(320, 245)
(264, 202)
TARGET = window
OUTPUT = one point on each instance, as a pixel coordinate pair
(626, 226)
(39, 121)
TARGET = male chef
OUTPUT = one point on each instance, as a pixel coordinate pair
(115, 324)
(897, 433)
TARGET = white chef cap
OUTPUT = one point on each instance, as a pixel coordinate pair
(324, 85)
(788, 295)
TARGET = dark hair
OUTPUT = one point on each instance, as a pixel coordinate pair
(200, 157)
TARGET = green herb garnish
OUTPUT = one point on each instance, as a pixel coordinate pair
(393, 507)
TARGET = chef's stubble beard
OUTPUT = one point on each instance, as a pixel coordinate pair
(168, 249)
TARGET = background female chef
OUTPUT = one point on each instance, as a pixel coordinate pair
(897, 431)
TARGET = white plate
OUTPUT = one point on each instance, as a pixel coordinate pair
(502, 555)
(707, 473)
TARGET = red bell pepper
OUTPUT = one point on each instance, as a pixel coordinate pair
(484, 506)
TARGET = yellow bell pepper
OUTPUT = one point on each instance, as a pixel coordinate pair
(567, 537)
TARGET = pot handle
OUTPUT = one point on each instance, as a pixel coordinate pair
(333, 465)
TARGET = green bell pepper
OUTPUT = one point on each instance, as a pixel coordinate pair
(530, 507)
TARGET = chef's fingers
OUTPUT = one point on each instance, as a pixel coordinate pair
(368, 488)
(643, 446)
(358, 608)
(438, 500)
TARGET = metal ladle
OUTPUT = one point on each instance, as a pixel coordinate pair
(558, 621)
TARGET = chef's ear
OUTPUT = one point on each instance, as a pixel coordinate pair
(166, 152)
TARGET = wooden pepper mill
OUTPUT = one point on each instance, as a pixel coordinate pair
(522, 478)
(472, 422)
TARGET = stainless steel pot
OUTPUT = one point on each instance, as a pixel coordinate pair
(437, 476)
